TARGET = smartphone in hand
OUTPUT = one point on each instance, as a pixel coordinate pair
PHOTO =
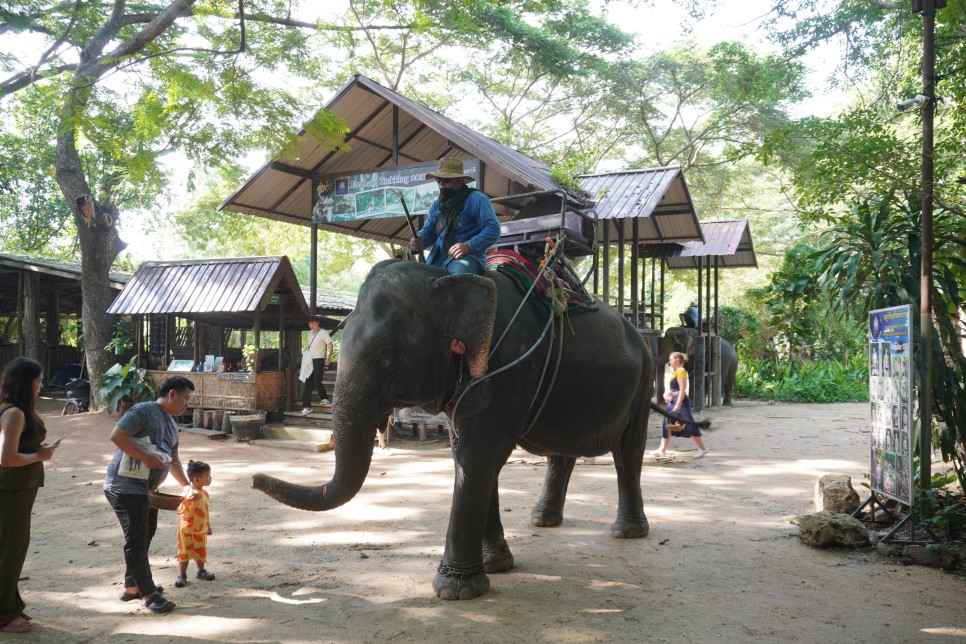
(57, 442)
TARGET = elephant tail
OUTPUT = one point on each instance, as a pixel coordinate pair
(703, 424)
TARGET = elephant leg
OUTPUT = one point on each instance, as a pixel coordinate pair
(496, 553)
(461, 573)
(631, 522)
(548, 512)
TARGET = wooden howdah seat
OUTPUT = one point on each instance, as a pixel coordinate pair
(532, 232)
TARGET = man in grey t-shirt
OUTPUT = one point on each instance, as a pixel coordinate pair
(146, 437)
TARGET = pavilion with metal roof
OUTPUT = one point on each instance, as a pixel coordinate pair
(386, 130)
(189, 309)
(727, 244)
(239, 293)
(657, 198)
(389, 134)
(230, 292)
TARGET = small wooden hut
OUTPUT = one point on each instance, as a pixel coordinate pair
(187, 310)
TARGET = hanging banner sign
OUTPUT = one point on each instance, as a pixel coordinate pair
(890, 398)
(372, 195)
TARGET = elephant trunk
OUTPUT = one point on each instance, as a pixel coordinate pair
(355, 425)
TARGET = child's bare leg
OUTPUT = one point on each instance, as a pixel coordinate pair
(183, 568)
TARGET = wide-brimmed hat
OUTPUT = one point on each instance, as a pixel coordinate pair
(450, 168)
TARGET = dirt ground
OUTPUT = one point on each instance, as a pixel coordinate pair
(722, 562)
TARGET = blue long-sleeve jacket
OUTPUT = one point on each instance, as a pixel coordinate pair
(477, 226)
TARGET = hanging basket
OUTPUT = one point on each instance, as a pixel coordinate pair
(163, 501)
(675, 427)
(248, 426)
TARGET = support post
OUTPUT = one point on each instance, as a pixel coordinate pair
(928, 8)
(314, 256)
(606, 260)
(620, 270)
(635, 302)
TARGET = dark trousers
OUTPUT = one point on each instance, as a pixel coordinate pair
(139, 522)
(315, 380)
(15, 507)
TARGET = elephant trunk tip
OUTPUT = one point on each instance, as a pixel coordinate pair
(303, 497)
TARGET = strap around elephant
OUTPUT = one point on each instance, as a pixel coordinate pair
(553, 252)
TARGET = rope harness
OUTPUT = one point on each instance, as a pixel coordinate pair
(553, 250)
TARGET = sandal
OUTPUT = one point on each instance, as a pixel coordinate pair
(181, 582)
(126, 597)
(159, 604)
(16, 625)
(204, 574)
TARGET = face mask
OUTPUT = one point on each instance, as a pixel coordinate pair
(447, 193)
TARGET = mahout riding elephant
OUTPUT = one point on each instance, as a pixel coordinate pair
(682, 338)
(421, 337)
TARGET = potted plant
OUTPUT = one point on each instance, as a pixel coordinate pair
(121, 341)
(250, 351)
(126, 384)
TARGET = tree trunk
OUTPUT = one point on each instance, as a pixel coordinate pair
(31, 316)
(99, 245)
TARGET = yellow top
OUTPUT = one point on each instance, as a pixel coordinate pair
(680, 372)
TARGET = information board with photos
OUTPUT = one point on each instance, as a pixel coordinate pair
(890, 399)
(376, 195)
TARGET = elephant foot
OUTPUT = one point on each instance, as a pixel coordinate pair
(627, 529)
(497, 557)
(728, 403)
(543, 518)
(449, 583)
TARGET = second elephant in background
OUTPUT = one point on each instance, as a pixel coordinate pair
(683, 339)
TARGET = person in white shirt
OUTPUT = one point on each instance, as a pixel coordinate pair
(314, 361)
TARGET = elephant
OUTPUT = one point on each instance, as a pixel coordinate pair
(681, 338)
(466, 345)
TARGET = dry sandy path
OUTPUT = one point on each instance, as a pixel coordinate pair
(722, 562)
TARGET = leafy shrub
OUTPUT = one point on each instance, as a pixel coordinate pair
(805, 381)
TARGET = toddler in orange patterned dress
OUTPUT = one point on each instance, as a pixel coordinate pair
(195, 524)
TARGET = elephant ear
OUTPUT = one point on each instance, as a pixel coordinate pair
(468, 304)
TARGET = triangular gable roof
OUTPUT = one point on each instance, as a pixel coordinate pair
(657, 198)
(729, 242)
(282, 189)
(219, 291)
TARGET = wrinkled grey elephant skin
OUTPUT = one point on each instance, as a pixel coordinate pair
(681, 338)
(419, 337)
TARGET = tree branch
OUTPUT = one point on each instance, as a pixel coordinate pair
(317, 26)
(28, 77)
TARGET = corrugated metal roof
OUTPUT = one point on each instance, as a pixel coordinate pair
(657, 198)
(59, 267)
(331, 302)
(728, 241)
(60, 282)
(220, 291)
(281, 190)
